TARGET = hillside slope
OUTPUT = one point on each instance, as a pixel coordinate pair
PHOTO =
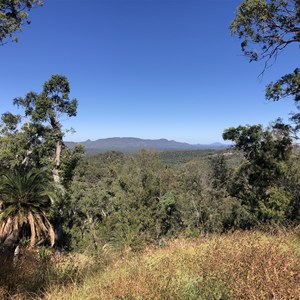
(130, 144)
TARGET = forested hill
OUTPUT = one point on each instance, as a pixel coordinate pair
(129, 144)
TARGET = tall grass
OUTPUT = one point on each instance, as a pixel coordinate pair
(35, 271)
(242, 265)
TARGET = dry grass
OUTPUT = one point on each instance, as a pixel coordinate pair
(243, 265)
(255, 266)
(36, 271)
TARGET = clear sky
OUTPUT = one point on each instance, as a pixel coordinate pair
(144, 68)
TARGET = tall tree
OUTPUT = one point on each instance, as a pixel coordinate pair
(259, 181)
(267, 27)
(41, 134)
(13, 15)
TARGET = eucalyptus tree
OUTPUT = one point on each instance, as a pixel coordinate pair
(13, 15)
(39, 133)
(266, 28)
(26, 198)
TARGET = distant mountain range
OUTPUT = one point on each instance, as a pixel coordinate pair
(130, 144)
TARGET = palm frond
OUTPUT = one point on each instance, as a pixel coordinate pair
(26, 197)
(7, 229)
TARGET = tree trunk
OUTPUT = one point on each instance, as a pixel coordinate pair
(57, 155)
(58, 148)
(25, 161)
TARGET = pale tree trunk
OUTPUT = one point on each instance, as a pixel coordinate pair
(56, 157)
(58, 148)
(25, 161)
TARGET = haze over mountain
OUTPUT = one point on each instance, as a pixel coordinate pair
(130, 144)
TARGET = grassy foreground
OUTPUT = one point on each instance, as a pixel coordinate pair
(242, 265)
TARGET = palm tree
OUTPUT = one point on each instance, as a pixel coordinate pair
(26, 198)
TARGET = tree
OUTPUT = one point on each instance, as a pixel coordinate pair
(272, 25)
(287, 85)
(26, 198)
(259, 181)
(13, 15)
(41, 135)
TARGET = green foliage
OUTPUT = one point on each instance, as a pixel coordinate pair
(169, 219)
(288, 85)
(177, 158)
(37, 139)
(69, 161)
(275, 206)
(220, 171)
(51, 102)
(292, 186)
(260, 182)
(11, 122)
(26, 198)
(270, 24)
(128, 200)
(13, 15)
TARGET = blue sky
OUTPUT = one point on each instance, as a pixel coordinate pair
(144, 68)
